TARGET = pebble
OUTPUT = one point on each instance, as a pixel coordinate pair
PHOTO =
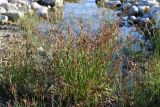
(41, 51)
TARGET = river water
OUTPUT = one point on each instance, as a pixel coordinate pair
(83, 16)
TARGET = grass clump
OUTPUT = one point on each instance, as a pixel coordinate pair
(54, 70)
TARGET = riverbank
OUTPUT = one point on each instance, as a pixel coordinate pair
(98, 57)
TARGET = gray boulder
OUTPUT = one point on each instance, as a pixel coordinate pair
(43, 11)
(133, 18)
(35, 5)
(9, 7)
(127, 6)
(14, 11)
(133, 10)
(144, 9)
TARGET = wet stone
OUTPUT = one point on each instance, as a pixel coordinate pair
(133, 10)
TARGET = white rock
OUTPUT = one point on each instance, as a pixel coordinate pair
(2, 10)
(133, 18)
(43, 11)
(41, 51)
(24, 8)
(3, 18)
(35, 5)
(9, 7)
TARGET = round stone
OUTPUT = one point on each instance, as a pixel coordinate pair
(133, 10)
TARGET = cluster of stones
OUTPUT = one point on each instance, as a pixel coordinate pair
(15, 9)
(135, 17)
(135, 13)
(138, 11)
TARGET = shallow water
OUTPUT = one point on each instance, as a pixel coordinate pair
(83, 16)
(87, 15)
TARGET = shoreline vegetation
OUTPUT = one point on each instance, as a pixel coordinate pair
(77, 71)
